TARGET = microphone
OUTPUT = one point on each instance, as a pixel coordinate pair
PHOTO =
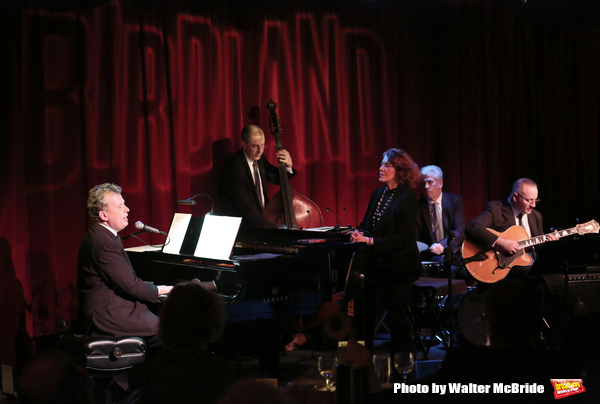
(309, 218)
(336, 215)
(141, 226)
(186, 202)
(346, 215)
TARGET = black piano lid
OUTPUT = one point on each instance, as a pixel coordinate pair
(287, 236)
(190, 241)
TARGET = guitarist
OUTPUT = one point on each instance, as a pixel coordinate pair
(518, 209)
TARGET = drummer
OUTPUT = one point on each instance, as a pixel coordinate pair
(441, 215)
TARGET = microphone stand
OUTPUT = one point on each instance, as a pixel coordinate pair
(336, 228)
(132, 235)
(448, 258)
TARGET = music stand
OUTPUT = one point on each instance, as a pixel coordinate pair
(448, 259)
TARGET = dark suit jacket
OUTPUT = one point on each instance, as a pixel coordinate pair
(498, 215)
(111, 295)
(237, 196)
(394, 243)
(453, 216)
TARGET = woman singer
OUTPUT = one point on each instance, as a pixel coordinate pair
(390, 260)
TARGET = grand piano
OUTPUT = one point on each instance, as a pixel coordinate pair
(272, 273)
(273, 278)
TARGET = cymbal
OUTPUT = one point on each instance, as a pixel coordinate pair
(422, 246)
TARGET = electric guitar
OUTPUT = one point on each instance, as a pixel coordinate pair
(490, 266)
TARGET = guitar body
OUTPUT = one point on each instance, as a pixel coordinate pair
(489, 266)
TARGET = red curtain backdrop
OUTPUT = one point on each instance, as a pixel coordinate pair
(152, 95)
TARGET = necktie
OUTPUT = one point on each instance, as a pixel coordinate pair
(436, 223)
(520, 217)
(257, 184)
(530, 250)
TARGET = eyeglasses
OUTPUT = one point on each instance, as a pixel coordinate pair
(528, 200)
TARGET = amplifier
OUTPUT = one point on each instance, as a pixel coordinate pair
(587, 295)
(585, 288)
(588, 276)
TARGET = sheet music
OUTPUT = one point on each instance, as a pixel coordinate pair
(217, 236)
(177, 231)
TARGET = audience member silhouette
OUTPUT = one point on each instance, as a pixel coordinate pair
(15, 342)
(513, 356)
(252, 391)
(53, 378)
(184, 370)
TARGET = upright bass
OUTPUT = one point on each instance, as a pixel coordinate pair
(289, 208)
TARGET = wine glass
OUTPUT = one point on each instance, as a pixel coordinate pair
(404, 362)
(383, 369)
(326, 366)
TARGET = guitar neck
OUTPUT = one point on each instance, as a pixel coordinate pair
(544, 237)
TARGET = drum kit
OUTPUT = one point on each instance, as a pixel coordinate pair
(460, 313)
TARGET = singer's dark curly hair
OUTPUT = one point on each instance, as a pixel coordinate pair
(97, 199)
(407, 171)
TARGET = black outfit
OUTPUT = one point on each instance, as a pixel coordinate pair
(453, 217)
(112, 298)
(392, 263)
(237, 194)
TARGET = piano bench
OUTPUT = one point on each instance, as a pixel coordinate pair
(107, 362)
(113, 355)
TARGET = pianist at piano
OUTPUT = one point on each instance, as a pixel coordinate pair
(270, 279)
(112, 298)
